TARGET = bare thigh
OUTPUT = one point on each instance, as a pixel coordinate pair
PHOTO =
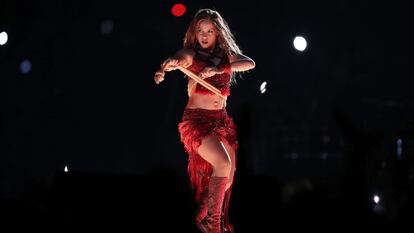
(232, 154)
(214, 151)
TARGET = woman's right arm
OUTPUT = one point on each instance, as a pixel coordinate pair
(183, 57)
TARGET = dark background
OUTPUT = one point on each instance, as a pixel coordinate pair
(314, 148)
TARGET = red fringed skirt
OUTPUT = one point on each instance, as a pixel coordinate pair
(195, 125)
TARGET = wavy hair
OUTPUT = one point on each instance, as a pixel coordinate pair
(225, 40)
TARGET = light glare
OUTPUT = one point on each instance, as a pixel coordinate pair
(300, 43)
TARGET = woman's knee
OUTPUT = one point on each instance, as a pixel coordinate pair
(222, 164)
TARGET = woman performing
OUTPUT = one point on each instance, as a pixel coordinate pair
(209, 58)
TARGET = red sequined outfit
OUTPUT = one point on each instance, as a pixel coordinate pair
(198, 123)
(220, 81)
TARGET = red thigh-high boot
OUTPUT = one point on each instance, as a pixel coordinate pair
(202, 208)
(215, 197)
(226, 225)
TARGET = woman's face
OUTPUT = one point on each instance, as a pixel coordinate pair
(206, 34)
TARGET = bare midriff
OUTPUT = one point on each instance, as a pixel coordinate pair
(204, 101)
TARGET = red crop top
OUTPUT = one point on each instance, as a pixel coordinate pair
(203, 59)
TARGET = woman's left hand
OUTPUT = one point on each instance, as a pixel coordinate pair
(209, 71)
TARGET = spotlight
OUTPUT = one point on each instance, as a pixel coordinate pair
(25, 66)
(3, 38)
(178, 10)
(399, 148)
(376, 199)
(300, 43)
(263, 87)
(107, 27)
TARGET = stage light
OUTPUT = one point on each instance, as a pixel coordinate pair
(25, 66)
(107, 27)
(399, 148)
(263, 87)
(3, 38)
(378, 207)
(326, 139)
(178, 10)
(376, 199)
(300, 43)
(66, 169)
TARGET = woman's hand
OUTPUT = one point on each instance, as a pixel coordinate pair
(170, 64)
(167, 65)
(209, 71)
(159, 76)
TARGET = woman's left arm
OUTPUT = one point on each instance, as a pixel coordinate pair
(240, 62)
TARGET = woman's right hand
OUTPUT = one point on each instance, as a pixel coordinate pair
(170, 64)
(159, 76)
(167, 65)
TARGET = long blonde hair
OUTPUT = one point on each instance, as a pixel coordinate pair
(225, 40)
